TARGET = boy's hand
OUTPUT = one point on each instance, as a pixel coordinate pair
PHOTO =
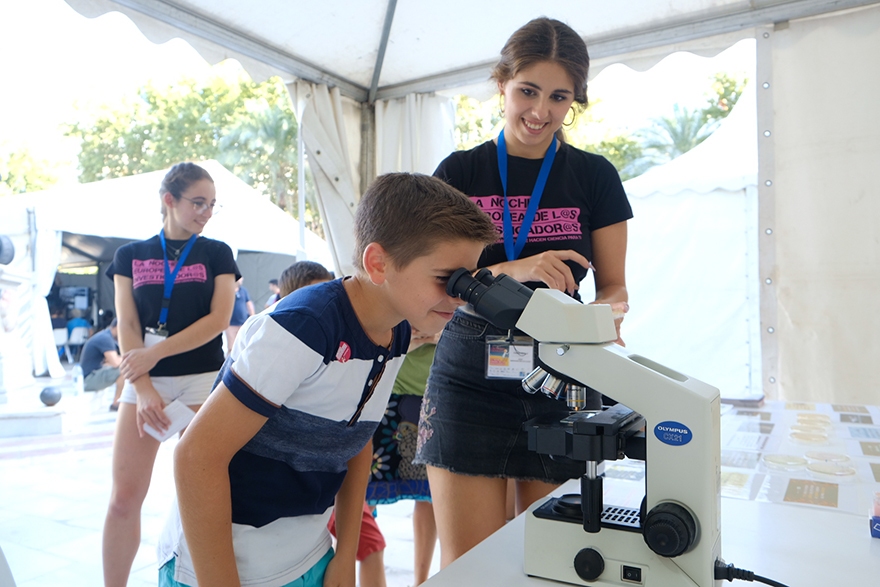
(339, 573)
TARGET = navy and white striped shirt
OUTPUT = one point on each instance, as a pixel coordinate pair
(310, 368)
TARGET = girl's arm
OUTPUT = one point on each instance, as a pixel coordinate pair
(201, 474)
(150, 407)
(139, 361)
(609, 259)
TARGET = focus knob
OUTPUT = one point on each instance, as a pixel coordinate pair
(669, 530)
(589, 564)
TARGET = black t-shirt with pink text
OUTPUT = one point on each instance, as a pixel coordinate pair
(143, 262)
(583, 194)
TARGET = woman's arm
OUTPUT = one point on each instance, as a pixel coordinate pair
(140, 361)
(609, 262)
(609, 259)
(201, 474)
(150, 407)
(349, 511)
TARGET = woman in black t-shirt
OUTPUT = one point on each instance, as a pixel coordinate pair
(560, 212)
(174, 296)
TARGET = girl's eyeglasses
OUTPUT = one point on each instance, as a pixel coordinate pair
(201, 207)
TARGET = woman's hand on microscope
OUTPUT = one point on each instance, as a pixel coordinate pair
(548, 267)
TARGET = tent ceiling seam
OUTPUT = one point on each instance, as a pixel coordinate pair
(383, 45)
(623, 42)
(617, 44)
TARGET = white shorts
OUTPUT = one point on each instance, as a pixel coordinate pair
(192, 390)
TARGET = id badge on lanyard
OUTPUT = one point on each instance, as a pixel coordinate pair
(509, 357)
(512, 357)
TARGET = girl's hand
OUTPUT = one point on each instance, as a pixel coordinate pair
(548, 267)
(339, 574)
(150, 408)
(137, 362)
(618, 311)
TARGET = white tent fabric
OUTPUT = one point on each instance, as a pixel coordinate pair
(128, 208)
(692, 260)
(324, 133)
(826, 140)
(414, 133)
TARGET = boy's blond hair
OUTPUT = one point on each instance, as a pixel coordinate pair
(409, 214)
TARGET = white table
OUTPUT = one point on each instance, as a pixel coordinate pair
(797, 545)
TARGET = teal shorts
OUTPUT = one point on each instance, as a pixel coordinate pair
(314, 577)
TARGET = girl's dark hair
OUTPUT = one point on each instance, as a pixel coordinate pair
(301, 274)
(179, 179)
(546, 39)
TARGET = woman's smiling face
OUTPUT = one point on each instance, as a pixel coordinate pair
(536, 101)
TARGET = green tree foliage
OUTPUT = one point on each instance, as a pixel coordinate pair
(476, 122)
(250, 128)
(21, 172)
(726, 90)
(671, 136)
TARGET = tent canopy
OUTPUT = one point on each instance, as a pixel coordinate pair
(382, 49)
(95, 218)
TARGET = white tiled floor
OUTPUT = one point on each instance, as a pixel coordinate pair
(54, 492)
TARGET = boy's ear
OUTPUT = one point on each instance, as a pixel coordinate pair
(376, 263)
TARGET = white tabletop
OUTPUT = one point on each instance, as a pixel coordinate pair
(795, 545)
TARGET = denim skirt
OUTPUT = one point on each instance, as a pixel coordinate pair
(473, 425)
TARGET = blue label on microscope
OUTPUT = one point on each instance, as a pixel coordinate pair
(673, 433)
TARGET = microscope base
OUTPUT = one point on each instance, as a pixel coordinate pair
(552, 545)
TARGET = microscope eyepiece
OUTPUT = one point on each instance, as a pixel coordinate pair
(500, 300)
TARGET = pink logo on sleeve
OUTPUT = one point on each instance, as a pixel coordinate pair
(343, 353)
(550, 224)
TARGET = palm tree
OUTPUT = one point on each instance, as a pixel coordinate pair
(671, 136)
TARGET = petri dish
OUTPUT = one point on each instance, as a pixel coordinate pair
(827, 457)
(808, 437)
(815, 418)
(832, 470)
(781, 462)
(809, 428)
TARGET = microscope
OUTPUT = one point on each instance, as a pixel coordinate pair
(674, 539)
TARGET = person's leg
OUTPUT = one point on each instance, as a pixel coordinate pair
(467, 510)
(120, 383)
(231, 333)
(372, 570)
(133, 459)
(371, 551)
(528, 492)
(424, 538)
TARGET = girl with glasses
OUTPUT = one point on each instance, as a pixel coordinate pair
(174, 297)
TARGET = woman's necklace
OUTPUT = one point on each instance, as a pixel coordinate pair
(174, 252)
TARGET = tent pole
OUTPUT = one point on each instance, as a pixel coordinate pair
(368, 145)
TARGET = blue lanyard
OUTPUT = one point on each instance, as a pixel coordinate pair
(511, 249)
(170, 275)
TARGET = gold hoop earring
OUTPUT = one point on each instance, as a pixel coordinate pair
(573, 114)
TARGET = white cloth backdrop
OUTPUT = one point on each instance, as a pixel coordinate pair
(414, 133)
(324, 134)
(827, 206)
